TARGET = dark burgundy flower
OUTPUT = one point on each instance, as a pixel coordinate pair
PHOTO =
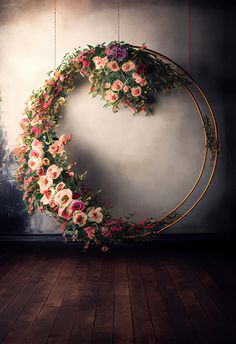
(77, 205)
(142, 69)
(76, 195)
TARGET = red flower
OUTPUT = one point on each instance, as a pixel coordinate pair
(86, 64)
(142, 69)
(76, 195)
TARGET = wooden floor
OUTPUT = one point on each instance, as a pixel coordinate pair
(174, 292)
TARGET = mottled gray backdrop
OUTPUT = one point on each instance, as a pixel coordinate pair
(146, 165)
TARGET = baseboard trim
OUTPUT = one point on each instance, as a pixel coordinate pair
(162, 238)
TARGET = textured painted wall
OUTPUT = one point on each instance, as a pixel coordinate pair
(143, 164)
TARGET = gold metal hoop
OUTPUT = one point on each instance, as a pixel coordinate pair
(189, 92)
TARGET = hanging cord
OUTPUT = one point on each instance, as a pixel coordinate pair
(118, 20)
(55, 33)
(189, 35)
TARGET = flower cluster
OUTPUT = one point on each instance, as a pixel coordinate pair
(125, 76)
(122, 75)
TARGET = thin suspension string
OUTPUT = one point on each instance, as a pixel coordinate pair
(118, 20)
(189, 35)
(55, 33)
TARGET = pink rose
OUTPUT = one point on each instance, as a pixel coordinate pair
(40, 171)
(46, 161)
(108, 51)
(136, 91)
(107, 85)
(54, 171)
(63, 198)
(100, 62)
(44, 183)
(24, 123)
(65, 138)
(86, 64)
(126, 88)
(34, 163)
(139, 79)
(111, 96)
(36, 131)
(66, 213)
(113, 65)
(60, 186)
(117, 85)
(128, 66)
(56, 148)
(77, 205)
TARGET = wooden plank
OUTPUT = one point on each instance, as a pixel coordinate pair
(30, 281)
(103, 326)
(142, 323)
(123, 324)
(184, 330)
(21, 327)
(203, 326)
(40, 330)
(222, 328)
(82, 331)
(163, 327)
(63, 324)
(221, 299)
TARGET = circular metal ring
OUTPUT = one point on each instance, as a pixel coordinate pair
(214, 164)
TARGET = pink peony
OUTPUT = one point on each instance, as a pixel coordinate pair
(113, 65)
(111, 96)
(136, 91)
(128, 66)
(107, 85)
(117, 85)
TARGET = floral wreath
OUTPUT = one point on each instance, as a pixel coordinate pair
(123, 75)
